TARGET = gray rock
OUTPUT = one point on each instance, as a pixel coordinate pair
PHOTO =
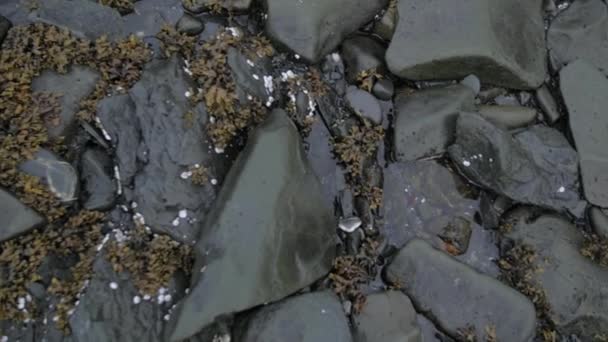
(312, 317)
(547, 103)
(79, 82)
(99, 187)
(384, 89)
(190, 25)
(155, 145)
(385, 27)
(458, 296)
(425, 120)
(250, 79)
(361, 53)
(320, 156)
(438, 40)
(584, 90)
(509, 117)
(387, 317)
(14, 11)
(350, 224)
(315, 28)
(457, 234)
(5, 25)
(599, 221)
(537, 166)
(579, 32)
(575, 287)
(270, 197)
(85, 19)
(16, 217)
(58, 175)
(364, 104)
(473, 83)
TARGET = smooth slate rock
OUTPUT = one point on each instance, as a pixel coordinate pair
(473, 83)
(364, 104)
(270, 197)
(384, 89)
(509, 117)
(16, 218)
(387, 317)
(502, 42)
(361, 53)
(85, 19)
(314, 28)
(425, 120)
(575, 287)
(5, 25)
(190, 25)
(579, 32)
(311, 317)
(320, 156)
(547, 103)
(599, 221)
(99, 187)
(60, 177)
(458, 296)
(385, 27)
(584, 90)
(79, 82)
(538, 166)
(155, 145)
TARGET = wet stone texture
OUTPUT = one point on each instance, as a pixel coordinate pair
(16, 217)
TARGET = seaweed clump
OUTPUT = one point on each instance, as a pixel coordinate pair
(122, 6)
(358, 145)
(596, 249)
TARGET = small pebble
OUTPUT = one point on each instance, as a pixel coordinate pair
(136, 300)
(113, 285)
(350, 224)
(183, 213)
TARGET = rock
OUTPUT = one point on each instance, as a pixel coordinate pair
(584, 91)
(425, 120)
(270, 197)
(384, 89)
(575, 287)
(458, 296)
(549, 7)
(473, 83)
(155, 145)
(58, 175)
(387, 317)
(579, 32)
(5, 25)
(314, 28)
(537, 166)
(149, 17)
(547, 103)
(190, 25)
(350, 224)
(98, 185)
(15, 12)
(74, 86)
(599, 221)
(361, 53)
(16, 217)
(364, 104)
(385, 28)
(86, 19)
(320, 156)
(457, 234)
(438, 40)
(251, 79)
(509, 117)
(311, 317)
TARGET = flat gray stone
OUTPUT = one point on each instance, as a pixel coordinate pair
(364, 104)
(85, 19)
(599, 221)
(311, 317)
(547, 103)
(99, 186)
(509, 117)
(473, 83)
(385, 27)
(60, 177)
(575, 287)
(384, 89)
(425, 120)
(314, 28)
(361, 53)
(79, 82)
(457, 296)
(16, 217)
(579, 32)
(584, 90)
(443, 39)
(270, 197)
(537, 166)
(387, 317)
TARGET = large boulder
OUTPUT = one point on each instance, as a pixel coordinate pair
(311, 317)
(16, 217)
(579, 32)
(425, 120)
(314, 28)
(584, 90)
(537, 166)
(574, 286)
(269, 234)
(500, 41)
(458, 297)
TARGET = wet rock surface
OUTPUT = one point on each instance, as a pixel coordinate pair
(361, 53)
(270, 197)
(58, 175)
(438, 40)
(16, 217)
(364, 104)
(99, 186)
(431, 277)
(509, 117)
